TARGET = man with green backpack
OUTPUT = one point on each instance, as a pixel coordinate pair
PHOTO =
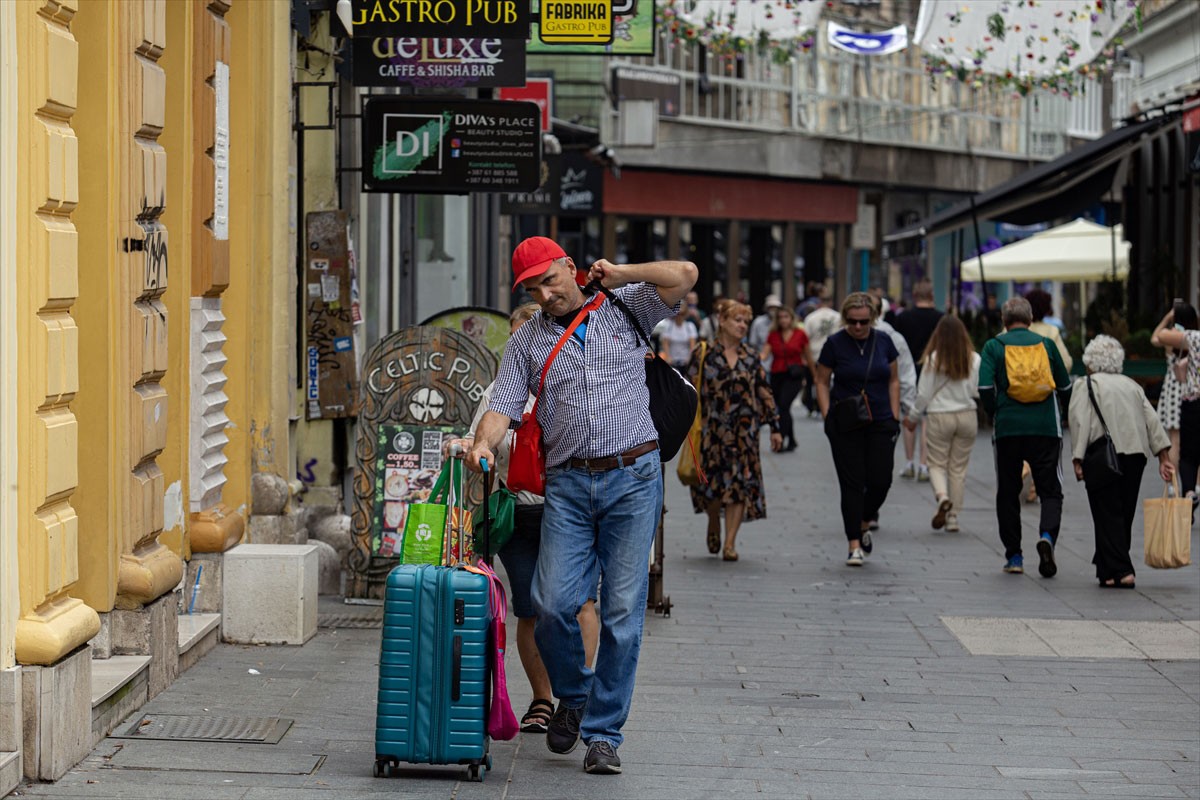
(1022, 380)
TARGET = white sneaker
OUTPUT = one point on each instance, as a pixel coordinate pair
(923, 474)
(909, 471)
(855, 559)
(951, 523)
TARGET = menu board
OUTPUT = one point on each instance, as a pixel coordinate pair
(409, 459)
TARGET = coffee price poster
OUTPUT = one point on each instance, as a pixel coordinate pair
(408, 464)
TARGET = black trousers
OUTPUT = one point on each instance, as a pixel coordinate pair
(1113, 509)
(1044, 454)
(808, 395)
(1189, 444)
(863, 459)
(785, 389)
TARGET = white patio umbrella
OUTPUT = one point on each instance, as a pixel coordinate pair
(1077, 251)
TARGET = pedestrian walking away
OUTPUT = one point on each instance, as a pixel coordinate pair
(819, 324)
(858, 392)
(761, 326)
(678, 337)
(735, 400)
(604, 486)
(790, 358)
(906, 368)
(1109, 404)
(1022, 380)
(916, 325)
(519, 556)
(1042, 306)
(1174, 332)
(946, 393)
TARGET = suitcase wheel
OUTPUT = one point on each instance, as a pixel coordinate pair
(475, 773)
(383, 767)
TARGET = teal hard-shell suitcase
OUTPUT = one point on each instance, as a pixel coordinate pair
(433, 670)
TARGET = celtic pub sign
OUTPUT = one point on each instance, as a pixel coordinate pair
(420, 385)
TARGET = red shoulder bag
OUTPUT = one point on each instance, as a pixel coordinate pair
(527, 458)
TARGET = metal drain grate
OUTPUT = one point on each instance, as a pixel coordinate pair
(183, 728)
(350, 620)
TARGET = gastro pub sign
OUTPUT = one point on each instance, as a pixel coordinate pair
(502, 19)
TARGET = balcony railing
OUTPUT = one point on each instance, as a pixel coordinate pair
(878, 100)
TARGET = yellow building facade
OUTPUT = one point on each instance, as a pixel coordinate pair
(146, 310)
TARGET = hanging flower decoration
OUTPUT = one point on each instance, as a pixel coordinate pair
(1022, 45)
(781, 29)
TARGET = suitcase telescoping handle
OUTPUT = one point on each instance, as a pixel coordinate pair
(487, 505)
(455, 501)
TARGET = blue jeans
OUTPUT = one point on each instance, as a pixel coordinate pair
(605, 520)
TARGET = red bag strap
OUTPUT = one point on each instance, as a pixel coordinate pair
(591, 306)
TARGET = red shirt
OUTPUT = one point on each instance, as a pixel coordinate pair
(784, 354)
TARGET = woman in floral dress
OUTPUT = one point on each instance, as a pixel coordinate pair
(735, 400)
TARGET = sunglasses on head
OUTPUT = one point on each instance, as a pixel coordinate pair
(856, 322)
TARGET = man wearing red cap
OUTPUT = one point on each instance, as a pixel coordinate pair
(603, 476)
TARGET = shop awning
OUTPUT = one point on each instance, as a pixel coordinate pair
(1077, 251)
(1060, 188)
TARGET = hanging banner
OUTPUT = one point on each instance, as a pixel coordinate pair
(868, 44)
(436, 63)
(580, 186)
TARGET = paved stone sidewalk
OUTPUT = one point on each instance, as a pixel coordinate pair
(785, 675)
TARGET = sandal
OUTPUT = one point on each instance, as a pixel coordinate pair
(1114, 583)
(537, 718)
(729, 554)
(714, 541)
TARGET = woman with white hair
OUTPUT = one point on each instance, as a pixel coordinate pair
(1107, 402)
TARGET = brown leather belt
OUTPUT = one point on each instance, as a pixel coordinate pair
(613, 462)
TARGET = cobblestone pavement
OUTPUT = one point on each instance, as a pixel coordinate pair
(783, 675)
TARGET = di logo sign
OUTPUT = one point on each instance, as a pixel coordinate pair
(450, 146)
(576, 22)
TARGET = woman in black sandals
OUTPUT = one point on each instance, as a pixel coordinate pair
(1109, 403)
(519, 556)
(736, 401)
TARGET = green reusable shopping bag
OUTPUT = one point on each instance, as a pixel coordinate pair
(501, 517)
(425, 529)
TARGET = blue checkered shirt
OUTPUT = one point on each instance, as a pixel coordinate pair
(595, 402)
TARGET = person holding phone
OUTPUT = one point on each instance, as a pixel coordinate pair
(1173, 332)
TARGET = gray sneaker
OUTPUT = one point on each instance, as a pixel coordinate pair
(562, 734)
(601, 759)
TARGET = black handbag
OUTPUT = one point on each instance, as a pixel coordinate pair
(795, 371)
(854, 413)
(1101, 466)
(673, 398)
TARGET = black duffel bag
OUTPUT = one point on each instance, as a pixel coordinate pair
(673, 398)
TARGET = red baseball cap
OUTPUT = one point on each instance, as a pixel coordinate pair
(533, 257)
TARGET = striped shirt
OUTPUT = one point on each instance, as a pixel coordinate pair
(595, 402)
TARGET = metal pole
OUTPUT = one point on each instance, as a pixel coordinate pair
(987, 322)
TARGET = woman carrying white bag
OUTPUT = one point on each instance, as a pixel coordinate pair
(1113, 429)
